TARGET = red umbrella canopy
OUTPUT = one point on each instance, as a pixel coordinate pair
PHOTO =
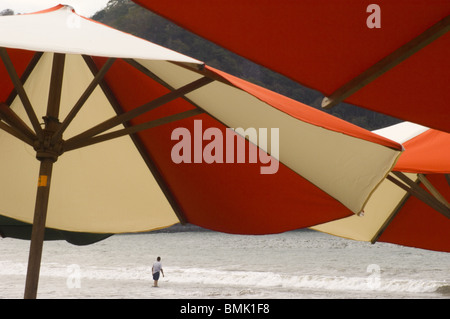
(418, 225)
(392, 57)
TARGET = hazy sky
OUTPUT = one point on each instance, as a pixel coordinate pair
(83, 7)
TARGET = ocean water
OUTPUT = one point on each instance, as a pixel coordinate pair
(300, 264)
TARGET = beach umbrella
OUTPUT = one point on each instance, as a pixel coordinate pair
(391, 57)
(134, 137)
(392, 214)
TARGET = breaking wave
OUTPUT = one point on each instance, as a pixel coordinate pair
(270, 279)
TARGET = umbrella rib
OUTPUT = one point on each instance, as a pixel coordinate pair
(55, 90)
(83, 98)
(15, 124)
(21, 91)
(418, 192)
(71, 145)
(156, 78)
(34, 61)
(16, 133)
(11, 118)
(121, 119)
(433, 190)
(387, 63)
(205, 72)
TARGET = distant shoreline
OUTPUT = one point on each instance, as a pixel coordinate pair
(179, 228)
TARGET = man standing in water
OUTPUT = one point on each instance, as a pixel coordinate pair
(156, 269)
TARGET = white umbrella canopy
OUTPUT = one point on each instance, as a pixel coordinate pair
(92, 84)
(64, 31)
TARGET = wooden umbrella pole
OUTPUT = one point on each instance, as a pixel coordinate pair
(38, 232)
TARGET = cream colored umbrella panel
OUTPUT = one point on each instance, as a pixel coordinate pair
(412, 206)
